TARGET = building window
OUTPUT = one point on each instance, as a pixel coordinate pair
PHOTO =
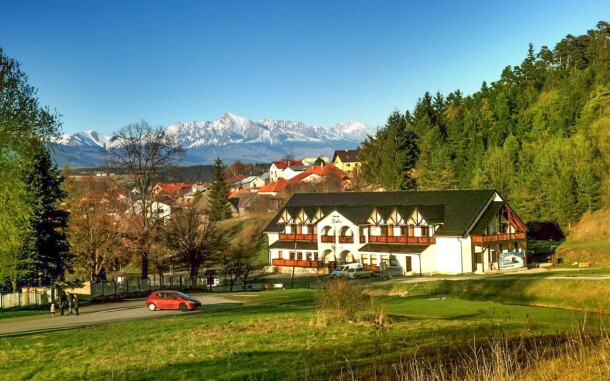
(373, 260)
(364, 259)
(315, 255)
(393, 260)
(385, 259)
(309, 257)
(403, 230)
(291, 254)
(424, 231)
(280, 255)
(299, 255)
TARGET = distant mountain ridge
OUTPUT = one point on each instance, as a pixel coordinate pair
(230, 137)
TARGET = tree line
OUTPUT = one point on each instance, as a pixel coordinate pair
(540, 134)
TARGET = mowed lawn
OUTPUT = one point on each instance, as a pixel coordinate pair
(275, 335)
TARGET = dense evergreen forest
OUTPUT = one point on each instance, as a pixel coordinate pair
(540, 134)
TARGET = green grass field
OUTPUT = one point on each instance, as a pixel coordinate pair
(275, 335)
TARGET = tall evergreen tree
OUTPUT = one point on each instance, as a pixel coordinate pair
(44, 255)
(218, 203)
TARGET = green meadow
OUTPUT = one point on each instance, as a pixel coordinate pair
(283, 335)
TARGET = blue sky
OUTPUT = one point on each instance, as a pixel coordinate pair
(104, 64)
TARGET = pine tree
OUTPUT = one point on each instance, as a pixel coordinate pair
(218, 203)
(44, 255)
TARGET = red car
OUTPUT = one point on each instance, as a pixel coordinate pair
(171, 300)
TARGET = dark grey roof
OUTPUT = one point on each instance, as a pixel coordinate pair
(348, 155)
(433, 214)
(290, 245)
(392, 249)
(460, 208)
(486, 218)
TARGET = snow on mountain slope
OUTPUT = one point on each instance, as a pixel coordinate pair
(271, 137)
(85, 138)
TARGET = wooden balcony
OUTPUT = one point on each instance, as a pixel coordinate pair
(497, 237)
(328, 238)
(346, 239)
(402, 239)
(297, 263)
(298, 237)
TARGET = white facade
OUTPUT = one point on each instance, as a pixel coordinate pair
(402, 239)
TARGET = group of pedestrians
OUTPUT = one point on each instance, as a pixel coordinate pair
(66, 300)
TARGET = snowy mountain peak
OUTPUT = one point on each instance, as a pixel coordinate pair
(244, 138)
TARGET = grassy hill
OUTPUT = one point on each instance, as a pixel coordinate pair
(249, 227)
(589, 240)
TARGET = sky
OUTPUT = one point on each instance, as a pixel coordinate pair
(105, 64)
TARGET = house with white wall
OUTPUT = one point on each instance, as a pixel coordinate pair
(410, 232)
(276, 170)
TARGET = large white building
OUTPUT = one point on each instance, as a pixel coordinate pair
(406, 233)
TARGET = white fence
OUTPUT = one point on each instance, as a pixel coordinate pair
(22, 299)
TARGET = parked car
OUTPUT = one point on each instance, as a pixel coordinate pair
(171, 300)
(357, 273)
(342, 270)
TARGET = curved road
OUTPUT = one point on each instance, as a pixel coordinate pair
(99, 314)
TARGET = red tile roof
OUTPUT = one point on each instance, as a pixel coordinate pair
(300, 177)
(274, 187)
(171, 188)
(287, 163)
(235, 192)
(325, 170)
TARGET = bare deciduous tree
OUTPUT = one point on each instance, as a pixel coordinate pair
(193, 239)
(143, 151)
(93, 232)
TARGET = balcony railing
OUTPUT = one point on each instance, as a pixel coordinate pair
(401, 239)
(297, 263)
(497, 237)
(298, 237)
(328, 238)
(346, 239)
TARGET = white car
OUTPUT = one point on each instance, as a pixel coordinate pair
(343, 269)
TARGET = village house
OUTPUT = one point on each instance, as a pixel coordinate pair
(250, 183)
(276, 171)
(410, 232)
(347, 160)
(293, 170)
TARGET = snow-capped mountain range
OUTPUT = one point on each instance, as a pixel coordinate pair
(229, 137)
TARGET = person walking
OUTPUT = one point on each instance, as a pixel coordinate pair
(69, 303)
(75, 303)
(62, 303)
(53, 309)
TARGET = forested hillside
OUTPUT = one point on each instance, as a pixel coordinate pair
(540, 134)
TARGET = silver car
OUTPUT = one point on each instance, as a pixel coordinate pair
(359, 273)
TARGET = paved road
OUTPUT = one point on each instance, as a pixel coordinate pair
(99, 314)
